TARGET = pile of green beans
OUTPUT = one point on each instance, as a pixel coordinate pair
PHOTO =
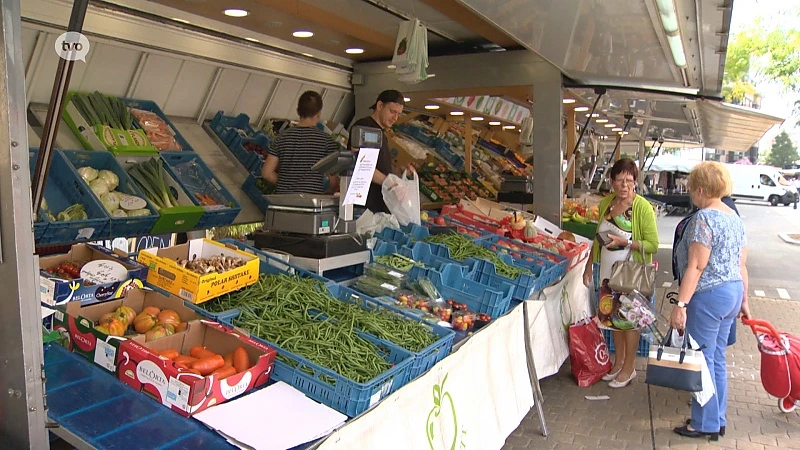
(398, 262)
(462, 247)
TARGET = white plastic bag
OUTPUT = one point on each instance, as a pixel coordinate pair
(402, 197)
(370, 223)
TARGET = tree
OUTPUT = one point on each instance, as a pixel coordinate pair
(783, 152)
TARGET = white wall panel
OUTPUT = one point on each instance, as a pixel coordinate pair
(284, 103)
(47, 72)
(346, 110)
(190, 89)
(158, 77)
(329, 103)
(254, 96)
(28, 42)
(227, 93)
(110, 69)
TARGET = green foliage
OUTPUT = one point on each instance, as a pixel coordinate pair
(783, 151)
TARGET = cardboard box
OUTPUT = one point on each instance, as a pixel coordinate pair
(185, 393)
(75, 323)
(165, 272)
(56, 291)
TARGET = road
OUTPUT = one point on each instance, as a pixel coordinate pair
(772, 263)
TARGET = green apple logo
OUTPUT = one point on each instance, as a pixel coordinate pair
(439, 394)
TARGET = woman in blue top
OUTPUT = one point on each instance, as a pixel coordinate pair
(711, 260)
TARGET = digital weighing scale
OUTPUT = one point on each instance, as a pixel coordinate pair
(318, 230)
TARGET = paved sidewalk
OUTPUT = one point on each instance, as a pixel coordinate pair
(642, 417)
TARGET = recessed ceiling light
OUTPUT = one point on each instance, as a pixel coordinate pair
(623, 133)
(180, 20)
(431, 107)
(601, 120)
(251, 39)
(456, 113)
(616, 129)
(303, 34)
(568, 101)
(509, 127)
(477, 118)
(494, 122)
(594, 115)
(582, 108)
(391, 66)
(354, 51)
(609, 125)
(307, 54)
(236, 12)
(406, 99)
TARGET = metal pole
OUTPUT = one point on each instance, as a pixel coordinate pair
(22, 411)
(50, 130)
(538, 397)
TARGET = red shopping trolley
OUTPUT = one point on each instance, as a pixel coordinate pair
(780, 363)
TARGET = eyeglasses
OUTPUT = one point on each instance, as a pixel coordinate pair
(625, 181)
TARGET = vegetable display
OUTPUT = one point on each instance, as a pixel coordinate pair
(103, 184)
(67, 270)
(157, 130)
(265, 187)
(375, 287)
(74, 212)
(150, 177)
(215, 264)
(99, 109)
(462, 248)
(152, 322)
(204, 362)
(398, 262)
(251, 146)
(383, 273)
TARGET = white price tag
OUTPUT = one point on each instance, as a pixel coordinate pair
(132, 202)
(395, 274)
(105, 355)
(389, 286)
(84, 233)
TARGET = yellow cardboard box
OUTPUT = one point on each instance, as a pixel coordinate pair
(165, 272)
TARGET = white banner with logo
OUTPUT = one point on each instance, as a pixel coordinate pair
(564, 303)
(473, 399)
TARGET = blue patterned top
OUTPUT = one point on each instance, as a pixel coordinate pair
(724, 235)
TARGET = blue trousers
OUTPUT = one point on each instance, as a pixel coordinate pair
(709, 317)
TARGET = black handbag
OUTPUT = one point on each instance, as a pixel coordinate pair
(675, 367)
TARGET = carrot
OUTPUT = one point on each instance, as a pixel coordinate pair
(207, 365)
(200, 352)
(183, 359)
(224, 372)
(240, 360)
(169, 354)
(228, 359)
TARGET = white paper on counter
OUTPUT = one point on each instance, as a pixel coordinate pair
(277, 417)
(358, 190)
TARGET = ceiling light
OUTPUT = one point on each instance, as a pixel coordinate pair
(593, 115)
(180, 20)
(391, 66)
(302, 34)
(494, 122)
(456, 113)
(307, 54)
(508, 127)
(354, 51)
(601, 120)
(406, 99)
(477, 118)
(616, 129)
(432, 107)
(236, 12)
(582, 108)
(623, 133)
(568, 101)
(251, 39)
(609, 125)
(676, 47)
(669, 20)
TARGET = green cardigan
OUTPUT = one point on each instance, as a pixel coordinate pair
(644, 227)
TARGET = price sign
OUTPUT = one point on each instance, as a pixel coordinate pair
(103, 272)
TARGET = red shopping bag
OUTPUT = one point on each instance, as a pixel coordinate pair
(588, 352)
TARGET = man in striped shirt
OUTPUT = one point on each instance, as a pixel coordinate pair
(297, 149)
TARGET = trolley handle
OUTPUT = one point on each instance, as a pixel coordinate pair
(762, 326)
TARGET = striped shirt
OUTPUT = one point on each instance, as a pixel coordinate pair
(298, 149)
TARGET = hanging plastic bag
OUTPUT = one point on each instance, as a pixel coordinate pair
(370, 223)
(588, 352)
(401, 196)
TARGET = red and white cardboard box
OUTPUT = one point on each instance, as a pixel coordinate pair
(139, 366)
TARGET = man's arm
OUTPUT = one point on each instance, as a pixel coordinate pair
(270, 169)
(378, 177)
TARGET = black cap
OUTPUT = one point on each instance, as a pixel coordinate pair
(390, 96)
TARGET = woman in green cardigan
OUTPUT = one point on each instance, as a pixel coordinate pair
(630, 222)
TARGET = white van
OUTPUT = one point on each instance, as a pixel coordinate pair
(763, 183)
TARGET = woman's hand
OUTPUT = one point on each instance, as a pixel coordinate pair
(587, 276)
(745, 312)
(677, 319)
(617, 241)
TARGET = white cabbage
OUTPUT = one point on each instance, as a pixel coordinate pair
(110, 201)
(88, 174)
(99, 187)
(111, 179)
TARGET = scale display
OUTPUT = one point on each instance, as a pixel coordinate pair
(366, 137)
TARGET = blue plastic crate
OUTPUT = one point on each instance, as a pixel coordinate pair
(196, 178)
(63, 189)
(433, 256)
(123, 226)
(553, 265)
(40, 224)
(642, 350)
(443, 149)
(222, 123)
(249, 187)
(395, 236)
(485, 272)
(252, 161)
(479, 297)
(147, 105)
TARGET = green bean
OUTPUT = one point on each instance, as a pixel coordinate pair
(461, 248)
